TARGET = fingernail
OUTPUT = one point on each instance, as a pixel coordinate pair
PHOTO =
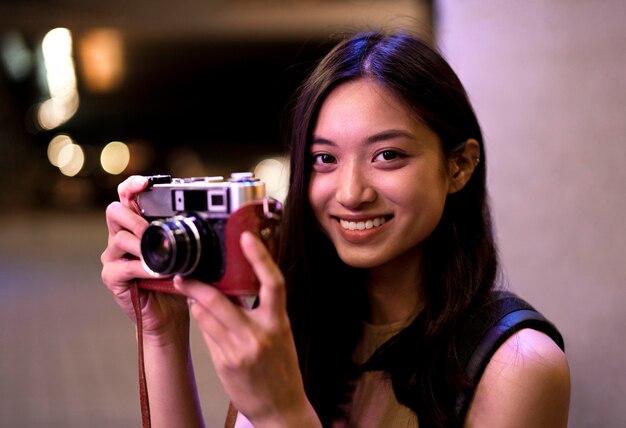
(178, 282)
(139, 181)
(246, 237)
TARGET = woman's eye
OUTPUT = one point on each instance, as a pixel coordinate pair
(387, 155)
(323, 158)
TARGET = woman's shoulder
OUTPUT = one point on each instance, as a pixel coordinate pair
(526, 383)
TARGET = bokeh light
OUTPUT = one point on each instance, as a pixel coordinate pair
(275, 173)
(56, 111)
(61, 79)
(101, 58)
(71, 159)
(16, 55)
(55, 146)
(115, 157)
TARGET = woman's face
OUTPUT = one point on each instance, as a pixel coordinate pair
(379, 177)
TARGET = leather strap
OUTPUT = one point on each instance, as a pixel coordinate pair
(143, 387)
(231, 416)
(160, 285)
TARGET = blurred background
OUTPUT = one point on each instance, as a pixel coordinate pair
(91, 92)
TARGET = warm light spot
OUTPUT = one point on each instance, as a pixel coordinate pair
(102, 59)
(57, 53)
(56, 145)
(57, 42)
(275, 173)
(71, 160)
(56, 111)
(115, 157)
(61, 79)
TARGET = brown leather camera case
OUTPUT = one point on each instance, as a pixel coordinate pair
(239, 280)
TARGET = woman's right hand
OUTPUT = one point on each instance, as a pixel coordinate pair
(163, 315)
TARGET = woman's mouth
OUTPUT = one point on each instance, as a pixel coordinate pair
(362, 224)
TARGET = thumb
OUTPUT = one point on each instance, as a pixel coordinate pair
(272, 291)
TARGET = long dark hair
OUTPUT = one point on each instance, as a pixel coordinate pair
(326, 299)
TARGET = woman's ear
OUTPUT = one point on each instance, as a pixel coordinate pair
(462, 166)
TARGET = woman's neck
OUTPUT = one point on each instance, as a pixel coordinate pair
(395, 291)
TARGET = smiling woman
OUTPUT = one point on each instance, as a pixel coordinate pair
(386, 282)
(374, 163)
(384, 133)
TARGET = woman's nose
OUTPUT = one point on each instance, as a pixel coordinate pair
(354, 188)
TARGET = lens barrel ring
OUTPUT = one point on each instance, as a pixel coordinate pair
(175, 246)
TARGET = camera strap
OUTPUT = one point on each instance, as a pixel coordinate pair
(143, 387)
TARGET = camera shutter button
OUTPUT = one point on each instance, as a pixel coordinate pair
(242, 176)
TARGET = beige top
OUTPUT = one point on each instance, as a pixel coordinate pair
(374, 404)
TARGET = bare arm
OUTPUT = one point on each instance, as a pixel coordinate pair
(171, 381)
(526, 384)
(167, 360)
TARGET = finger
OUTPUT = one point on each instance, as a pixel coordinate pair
(116, 274)
(223, 338)
(212, 300)
(121, 245)
(128, 189)
(216, 350)
(120, 217)
(272, 291)
(215, 333)
(231, 347)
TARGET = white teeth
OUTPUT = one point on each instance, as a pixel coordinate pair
(362, 225)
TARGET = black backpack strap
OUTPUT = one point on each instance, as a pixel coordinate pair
(502, 317)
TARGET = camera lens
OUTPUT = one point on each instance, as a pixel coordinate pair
(157, 248)
(185, 244)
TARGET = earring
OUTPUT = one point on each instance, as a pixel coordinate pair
(477, 161)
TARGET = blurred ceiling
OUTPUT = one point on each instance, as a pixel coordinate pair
(183, 58)
(219, 18)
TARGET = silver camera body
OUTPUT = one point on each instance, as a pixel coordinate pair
(191, 222)
(214, 196)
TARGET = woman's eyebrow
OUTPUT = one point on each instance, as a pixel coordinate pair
(381, 136)
(322, 141)
(390, 135)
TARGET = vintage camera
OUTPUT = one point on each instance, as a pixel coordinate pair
(195, 226)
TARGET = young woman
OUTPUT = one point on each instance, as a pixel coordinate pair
(387, 257)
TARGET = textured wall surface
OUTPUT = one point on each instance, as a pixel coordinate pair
(547, 79)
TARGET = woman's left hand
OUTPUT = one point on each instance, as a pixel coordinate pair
(253, 350)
